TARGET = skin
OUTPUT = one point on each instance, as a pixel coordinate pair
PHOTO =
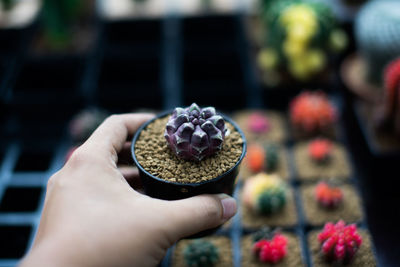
(93, 217)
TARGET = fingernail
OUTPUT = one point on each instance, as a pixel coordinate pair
(228, 205)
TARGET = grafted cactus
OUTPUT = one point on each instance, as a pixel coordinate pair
(312, 112)
(265, 194)
(260, 158)
(270, 246)
(194, 133)
(320, 150)
(328, 196)
(258, 123)
(339, 242)
(255, 158)
(201, 253)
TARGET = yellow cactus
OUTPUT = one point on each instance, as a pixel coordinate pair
(298, 33)
(293, 49)
(300, 15)
(255, 185)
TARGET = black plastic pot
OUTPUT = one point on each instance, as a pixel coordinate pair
(162, 189)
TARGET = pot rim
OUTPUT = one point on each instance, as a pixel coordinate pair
(165, 113)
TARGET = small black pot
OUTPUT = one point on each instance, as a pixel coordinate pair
(162, 189)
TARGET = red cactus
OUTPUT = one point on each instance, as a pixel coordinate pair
(320, 150)
(391, 76)
(258, 123)
(255, 158)
(271, 251)
(312, 112)
(388, 114)
(328, 196)
(339, 242)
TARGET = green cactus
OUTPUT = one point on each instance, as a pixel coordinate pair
(59, 18)
(201, 253)
(271, 157)
(300, 33)
(271, 200)
(377, 33)
(7, 4)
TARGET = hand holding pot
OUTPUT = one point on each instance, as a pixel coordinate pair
(92, 217)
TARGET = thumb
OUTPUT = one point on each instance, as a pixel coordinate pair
(195, 214)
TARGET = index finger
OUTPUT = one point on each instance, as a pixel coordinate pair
(109, 138)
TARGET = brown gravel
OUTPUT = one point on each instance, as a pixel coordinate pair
(338, 166)
(277, 132)
(155, 157)
(282, 169)
(285, 217)
(292, 259)
(221, 242)
(364, 256)
(349, 210)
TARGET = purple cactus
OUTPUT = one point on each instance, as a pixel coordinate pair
(194, 133)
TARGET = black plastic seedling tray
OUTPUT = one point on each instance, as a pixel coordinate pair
(138, 64)
(236, 230)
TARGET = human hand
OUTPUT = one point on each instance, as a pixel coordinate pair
(92, 217)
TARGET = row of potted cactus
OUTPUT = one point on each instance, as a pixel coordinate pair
(338, 244)
(313, 117)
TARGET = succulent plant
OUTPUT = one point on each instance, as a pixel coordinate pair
(377, 32)
(300, 35)
(312, 112)
(85, 122)
(270, 246)
(339, 242)
(259, 158)
(320, 150)
(201, 253)
(265, 194)
(271, 157)
(255, 158)
(387, 116)
(258, 123)
(59, 18)
(328, 196)
(194, 133)
(7, 4)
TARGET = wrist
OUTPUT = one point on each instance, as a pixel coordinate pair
(50, 253)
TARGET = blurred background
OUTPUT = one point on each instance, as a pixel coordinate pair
(66, 64)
